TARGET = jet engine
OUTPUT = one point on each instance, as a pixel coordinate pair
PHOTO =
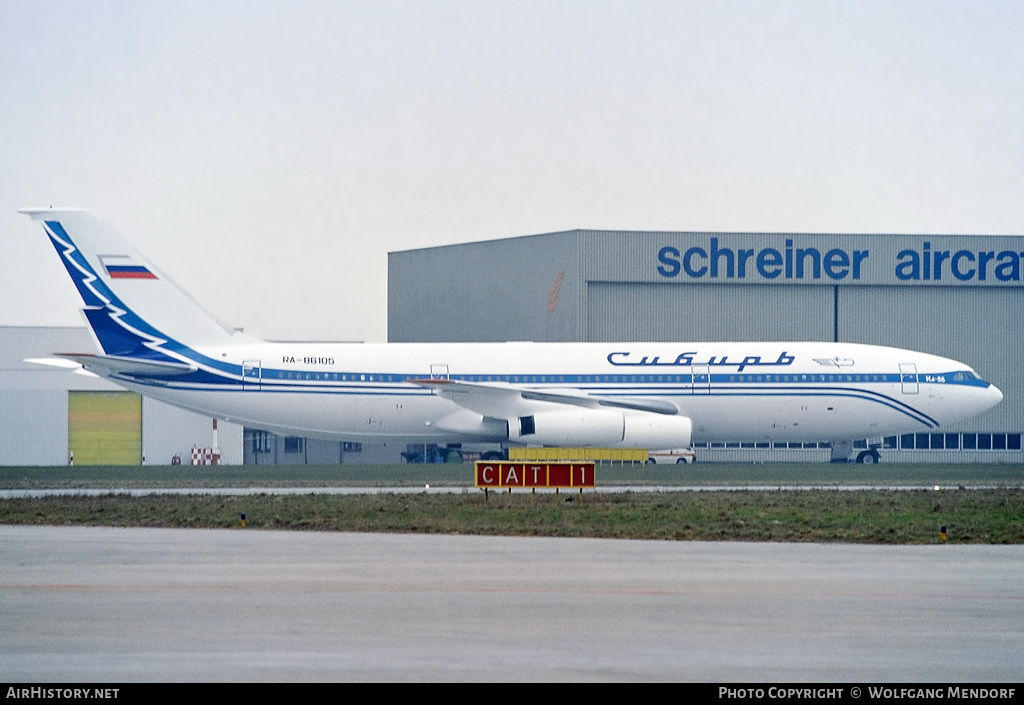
(601, 428)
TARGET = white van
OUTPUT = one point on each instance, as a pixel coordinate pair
(676, 455)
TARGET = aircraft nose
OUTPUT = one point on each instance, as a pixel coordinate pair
(995, 394)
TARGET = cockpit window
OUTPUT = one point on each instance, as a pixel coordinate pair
(965, 376)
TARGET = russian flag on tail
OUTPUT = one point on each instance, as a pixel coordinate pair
(120, 267)
(129, 271)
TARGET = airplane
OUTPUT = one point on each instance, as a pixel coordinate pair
(154, 339)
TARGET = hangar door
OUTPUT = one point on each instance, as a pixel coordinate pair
(105, 428)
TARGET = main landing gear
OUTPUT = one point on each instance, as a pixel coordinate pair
(868, 457)
(843, 452)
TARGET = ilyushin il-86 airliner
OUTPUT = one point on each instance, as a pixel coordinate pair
(155, 339)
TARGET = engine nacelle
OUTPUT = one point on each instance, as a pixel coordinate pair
(601, 428)
(569, 427)
(656, 431)
(466, 423)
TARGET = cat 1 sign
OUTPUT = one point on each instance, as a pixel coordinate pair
(562, 475)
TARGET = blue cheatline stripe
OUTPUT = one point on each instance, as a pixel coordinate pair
(588, 381)
(270, 375)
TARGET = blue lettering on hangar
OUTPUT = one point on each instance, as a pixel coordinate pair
(793, 262)
(770, 263)
(964, 265)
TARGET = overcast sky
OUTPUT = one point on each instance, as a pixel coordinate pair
(268, 155)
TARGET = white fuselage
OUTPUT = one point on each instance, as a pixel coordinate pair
(797, 391)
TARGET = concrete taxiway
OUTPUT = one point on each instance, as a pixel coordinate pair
(108, 604)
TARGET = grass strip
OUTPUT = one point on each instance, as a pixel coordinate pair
(460, 475)
(993, 516)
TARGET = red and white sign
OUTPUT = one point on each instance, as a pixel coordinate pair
(205, 456)
(532, 475)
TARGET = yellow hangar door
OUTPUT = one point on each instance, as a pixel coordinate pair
(105, 428)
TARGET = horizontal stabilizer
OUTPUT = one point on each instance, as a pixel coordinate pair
(106, 365)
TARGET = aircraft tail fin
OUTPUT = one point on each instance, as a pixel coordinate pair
(133, 308)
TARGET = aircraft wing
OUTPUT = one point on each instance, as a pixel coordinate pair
(106, 365)
(499, 400)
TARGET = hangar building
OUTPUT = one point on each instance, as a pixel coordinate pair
(951, 295)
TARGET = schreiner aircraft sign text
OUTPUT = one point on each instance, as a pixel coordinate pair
(948, 259)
